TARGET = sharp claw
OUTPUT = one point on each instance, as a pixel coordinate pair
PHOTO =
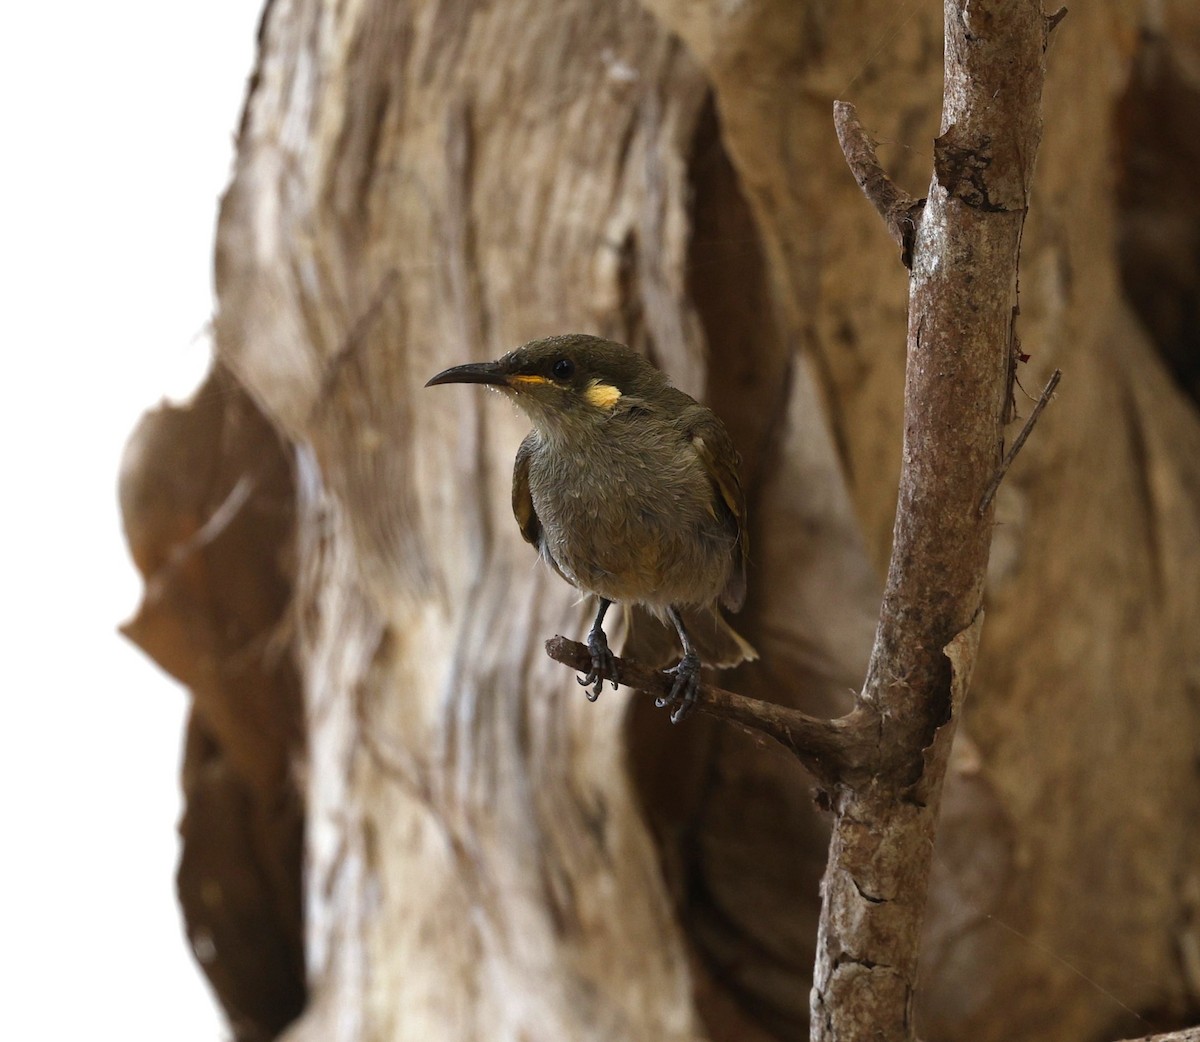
(604, 665)
(684, 688)
(591, 678)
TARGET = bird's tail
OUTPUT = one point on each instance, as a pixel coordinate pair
(654, 642)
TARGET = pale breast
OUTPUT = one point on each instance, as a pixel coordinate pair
(633, 519)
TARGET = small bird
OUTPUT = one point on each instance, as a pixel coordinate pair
(629, 489)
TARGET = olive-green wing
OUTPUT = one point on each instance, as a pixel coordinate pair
(522, 504)
(522, 499)
(715, 449)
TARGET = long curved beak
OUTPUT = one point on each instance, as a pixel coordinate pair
(472, 373)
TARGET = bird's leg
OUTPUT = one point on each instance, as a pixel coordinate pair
(603, 663)
(687, 674)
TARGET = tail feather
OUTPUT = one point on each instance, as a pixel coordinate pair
(655, 643)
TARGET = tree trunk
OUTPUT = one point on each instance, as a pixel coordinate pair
(486, 854)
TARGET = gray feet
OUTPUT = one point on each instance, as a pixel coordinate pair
(685, 688)
(604, 665)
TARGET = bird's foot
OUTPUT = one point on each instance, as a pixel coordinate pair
(684, 689)
(604, 665)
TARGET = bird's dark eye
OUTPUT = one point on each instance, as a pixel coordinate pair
(563, 369)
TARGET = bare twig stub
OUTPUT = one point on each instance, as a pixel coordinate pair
(899, 210)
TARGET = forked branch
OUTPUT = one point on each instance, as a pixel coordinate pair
(830, 749)
(963, 252)
(899, 210)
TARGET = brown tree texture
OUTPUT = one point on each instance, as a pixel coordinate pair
(403, 821)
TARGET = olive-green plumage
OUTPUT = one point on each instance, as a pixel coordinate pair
(629, 488)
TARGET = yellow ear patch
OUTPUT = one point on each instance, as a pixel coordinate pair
(602, 395)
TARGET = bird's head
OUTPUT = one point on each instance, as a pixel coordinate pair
(564, 383)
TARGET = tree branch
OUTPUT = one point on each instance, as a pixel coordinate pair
(830, 749)
(1187, 1035)
(963, 252)
(899, 210)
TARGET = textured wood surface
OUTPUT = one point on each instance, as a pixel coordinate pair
(488, 856)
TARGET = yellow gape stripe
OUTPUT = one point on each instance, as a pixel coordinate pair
(602, 395)
(527, 380)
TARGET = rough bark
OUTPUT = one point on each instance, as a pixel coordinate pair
(1171, 1036)
(486, 854)
(964, 250)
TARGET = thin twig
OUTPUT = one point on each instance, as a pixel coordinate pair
(1043, 400)
(828, 748)
(1052, 20)
(898, 209)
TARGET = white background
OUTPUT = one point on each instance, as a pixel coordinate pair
(117, 140)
